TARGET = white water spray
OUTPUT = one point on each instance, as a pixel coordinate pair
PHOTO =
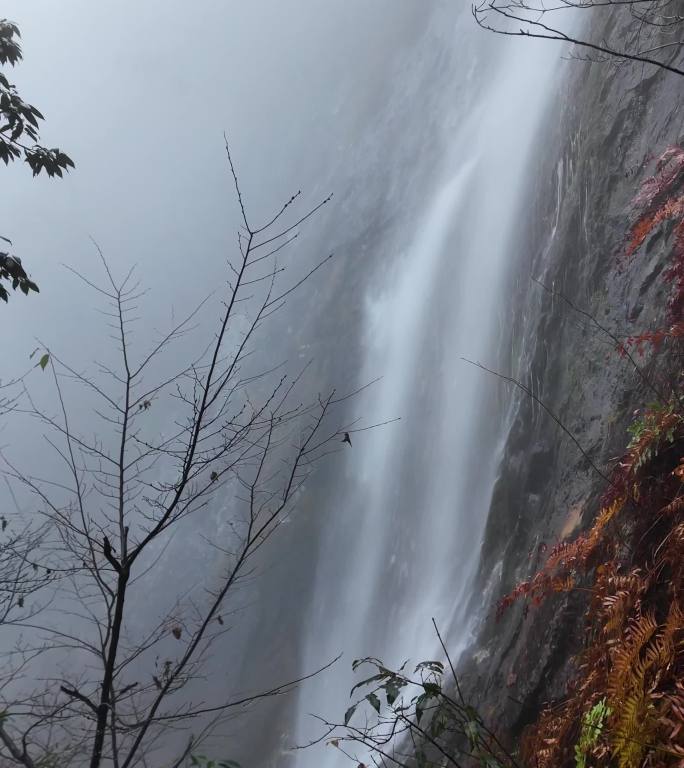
(402, 542)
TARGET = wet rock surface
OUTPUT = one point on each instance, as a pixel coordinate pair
(612, 123)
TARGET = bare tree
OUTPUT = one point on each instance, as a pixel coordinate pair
(23, 569)
(21, 572)
(656, 35)
(239, 443)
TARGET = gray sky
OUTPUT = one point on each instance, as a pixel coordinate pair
(139, 95)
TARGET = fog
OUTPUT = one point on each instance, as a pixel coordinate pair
(421, 125)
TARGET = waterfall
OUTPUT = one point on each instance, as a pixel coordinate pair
(424, 127)
(402, 536)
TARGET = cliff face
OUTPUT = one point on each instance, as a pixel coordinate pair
(610, 124)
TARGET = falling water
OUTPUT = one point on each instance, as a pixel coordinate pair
(438, 177)
(402, 539)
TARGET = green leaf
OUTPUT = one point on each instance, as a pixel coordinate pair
(592, 727)
(391, 691)
(420, 707)
(374, 701)
(29, 114)
(366, 660)
(472, 731)
(433, 666)
(44, 360)
(349, 713)
(471, 713)
(372, 679)
(432, 688)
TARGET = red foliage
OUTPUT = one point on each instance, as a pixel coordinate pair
(654, 339)
(633, 662)
(658, 427)
(565, 561)
(661, 199)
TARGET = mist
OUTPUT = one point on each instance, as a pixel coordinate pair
(422, 127)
